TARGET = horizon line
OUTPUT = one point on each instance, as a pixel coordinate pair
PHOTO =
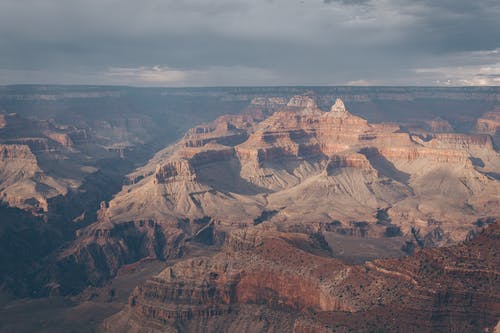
(242, 86)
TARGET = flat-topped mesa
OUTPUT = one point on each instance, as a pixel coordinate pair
(172, 171)
(302, 102)
(338, 109)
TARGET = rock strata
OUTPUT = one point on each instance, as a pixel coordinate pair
(448, 289)
(304, 167)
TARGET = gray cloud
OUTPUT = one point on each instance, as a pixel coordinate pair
(237, 42)
(347, 2)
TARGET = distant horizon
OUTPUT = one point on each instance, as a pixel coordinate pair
(243, 86)
(199, 43)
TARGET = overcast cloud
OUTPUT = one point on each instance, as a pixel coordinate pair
(250, 42)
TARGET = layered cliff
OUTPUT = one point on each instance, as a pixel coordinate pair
(312, 179)
(22, 182)
(35, 158)
(65, 152)
(302, 167)
(489, 123)
(287, 283)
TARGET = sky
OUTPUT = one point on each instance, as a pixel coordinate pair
(176, 43)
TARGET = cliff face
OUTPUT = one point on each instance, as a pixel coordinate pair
(180, 170)
(354, 160)
(22, 182)
(284, 191)
(62, 153)
(301, 167)
(104, 253)
(34, 155)
(489, 123)
(449, 289)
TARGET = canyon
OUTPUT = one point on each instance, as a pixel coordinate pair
(287, 209)
(241, 172)
(287, 282)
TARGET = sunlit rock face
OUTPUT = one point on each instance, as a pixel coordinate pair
(277, 217)
(299, 167)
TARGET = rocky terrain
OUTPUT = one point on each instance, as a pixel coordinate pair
(63, 150)
(265, 281)
(342, 173)
(287, 195)
(489, 123)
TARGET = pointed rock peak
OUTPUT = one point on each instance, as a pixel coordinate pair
(338, 109)
(302, 101)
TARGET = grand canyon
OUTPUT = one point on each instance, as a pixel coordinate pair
(272, 209)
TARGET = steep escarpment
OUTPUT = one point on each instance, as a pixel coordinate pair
(289, 277)
(245, 203)
(36, 162)
(489, 123)
(22, 183)
(300, 168)
(64, 153)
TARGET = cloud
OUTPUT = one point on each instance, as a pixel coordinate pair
(154, 75)
(223, 42)
(214, 76)
(362, 82)
(463, 75)
(347, 2)
(473, 68)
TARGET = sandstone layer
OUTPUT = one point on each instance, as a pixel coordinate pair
(289, 181)
(489, 123)
(275, 282)
(298, 168)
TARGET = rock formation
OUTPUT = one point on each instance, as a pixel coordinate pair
(270, 218)
(22, 183)
(489, 123)
(302, 167)
(287, 283)
(439, 125)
